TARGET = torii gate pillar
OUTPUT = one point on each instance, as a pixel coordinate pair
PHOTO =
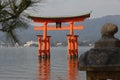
(44, 43)
(72, 42)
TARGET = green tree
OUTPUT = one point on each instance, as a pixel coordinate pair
(10, 17)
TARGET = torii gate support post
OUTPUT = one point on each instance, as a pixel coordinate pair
(72, 43)
(44, 43)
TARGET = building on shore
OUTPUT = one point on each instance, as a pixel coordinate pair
(31, 44)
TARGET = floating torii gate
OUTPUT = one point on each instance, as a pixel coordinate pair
(44, 40)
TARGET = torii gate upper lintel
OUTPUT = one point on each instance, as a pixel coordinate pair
(44, 40)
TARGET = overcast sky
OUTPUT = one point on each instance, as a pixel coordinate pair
(99, 8)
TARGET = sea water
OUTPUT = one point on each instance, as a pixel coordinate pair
(23, 64)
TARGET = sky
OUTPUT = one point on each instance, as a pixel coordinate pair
(98, 8)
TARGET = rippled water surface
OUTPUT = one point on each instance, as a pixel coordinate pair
(23, 64)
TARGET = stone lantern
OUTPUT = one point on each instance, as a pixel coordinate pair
(103, 61)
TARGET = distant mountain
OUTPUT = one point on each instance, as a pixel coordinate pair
(91, 31)
(93, 26)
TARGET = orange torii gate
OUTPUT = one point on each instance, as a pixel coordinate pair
(44, 40)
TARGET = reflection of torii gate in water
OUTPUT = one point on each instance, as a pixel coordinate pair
(44, 40)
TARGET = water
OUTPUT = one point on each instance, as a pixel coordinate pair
(23, 64)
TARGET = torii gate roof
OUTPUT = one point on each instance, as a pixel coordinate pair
(60, 18)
